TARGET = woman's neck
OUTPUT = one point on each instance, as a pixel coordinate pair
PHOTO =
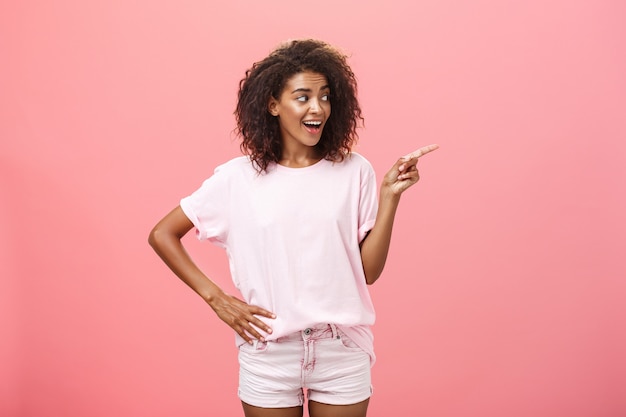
(301, 158)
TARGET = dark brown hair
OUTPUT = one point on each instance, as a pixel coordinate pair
(260, 130)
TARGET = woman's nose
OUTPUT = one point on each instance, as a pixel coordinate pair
(314, 106)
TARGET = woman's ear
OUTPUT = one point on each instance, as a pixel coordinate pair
(272, 106)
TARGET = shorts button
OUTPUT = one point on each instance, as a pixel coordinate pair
(307, 331)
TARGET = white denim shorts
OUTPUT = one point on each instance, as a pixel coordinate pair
(320, 359)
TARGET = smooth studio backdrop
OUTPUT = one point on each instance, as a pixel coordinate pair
(505, 286)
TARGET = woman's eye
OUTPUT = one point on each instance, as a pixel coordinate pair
(302, 98)
(326, 97)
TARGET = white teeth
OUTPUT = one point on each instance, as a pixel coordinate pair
(313, 123)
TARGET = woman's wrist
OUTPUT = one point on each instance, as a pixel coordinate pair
(387, 195)
(210, 295)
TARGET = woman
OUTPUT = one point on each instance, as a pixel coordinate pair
(299, 218)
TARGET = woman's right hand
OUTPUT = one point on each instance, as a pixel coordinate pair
(241, 317)
(165, 238)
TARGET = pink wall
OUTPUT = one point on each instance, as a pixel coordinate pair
(504, 294)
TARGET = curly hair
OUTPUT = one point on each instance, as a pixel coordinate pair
(260, 131)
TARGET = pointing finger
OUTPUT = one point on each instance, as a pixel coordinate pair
(421, 152)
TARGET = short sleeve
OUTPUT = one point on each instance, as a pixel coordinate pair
(368, 201)
(207, 208)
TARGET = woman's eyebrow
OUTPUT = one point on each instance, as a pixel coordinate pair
(308, 90)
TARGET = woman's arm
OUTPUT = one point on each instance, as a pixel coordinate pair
(165, 240)
(375, 246)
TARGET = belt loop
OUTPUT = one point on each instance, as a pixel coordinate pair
(334, 330)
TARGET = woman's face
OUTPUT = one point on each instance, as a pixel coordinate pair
(302, 109)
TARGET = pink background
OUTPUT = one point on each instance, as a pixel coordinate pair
(505, 289)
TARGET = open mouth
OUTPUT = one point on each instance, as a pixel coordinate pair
(313, 126)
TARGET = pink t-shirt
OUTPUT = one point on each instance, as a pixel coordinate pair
(292, 237)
